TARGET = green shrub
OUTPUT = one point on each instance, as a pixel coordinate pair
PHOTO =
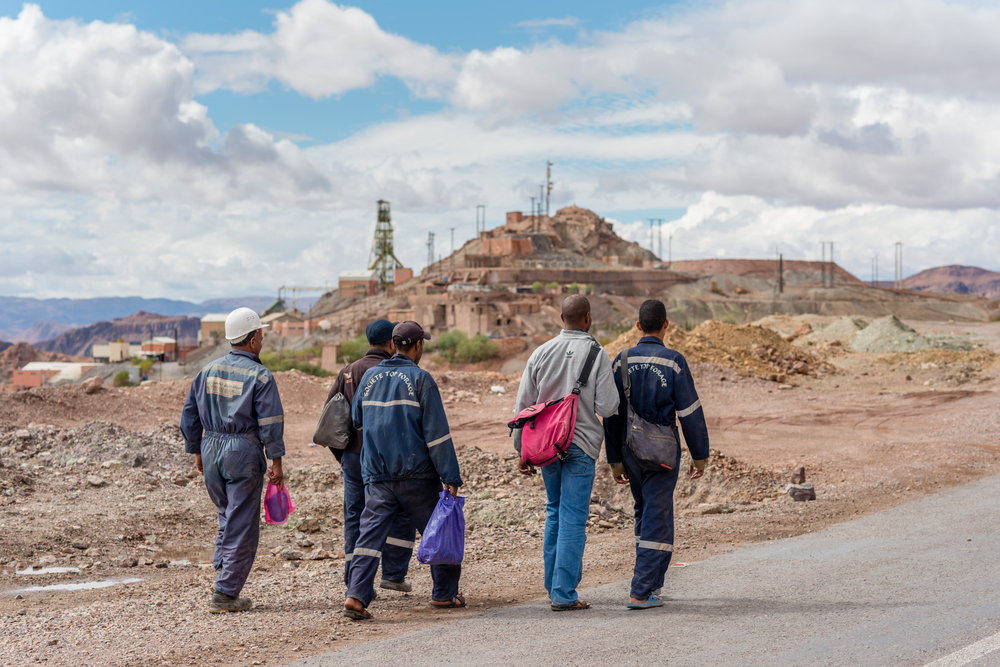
(537, 286)
(122, 379)
(352, 350)
(287, 361)
(477, 348)
(450, 340)
(573, 287)
(143, 364)
(590, 288)
(552, 286)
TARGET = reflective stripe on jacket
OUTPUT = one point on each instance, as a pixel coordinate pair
(405, 430)
(662, 392)
(234, 394)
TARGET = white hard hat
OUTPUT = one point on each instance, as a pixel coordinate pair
(240, 322)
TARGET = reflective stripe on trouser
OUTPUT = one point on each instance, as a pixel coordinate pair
(382, 501)
(234, 468)
(395, 555)
(653, 492)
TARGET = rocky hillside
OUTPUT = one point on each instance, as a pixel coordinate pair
(134, 329)
(956, 279)
(15, 356)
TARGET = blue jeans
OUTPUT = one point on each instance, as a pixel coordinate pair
(568, 484)
(234, 476)
(398, 547)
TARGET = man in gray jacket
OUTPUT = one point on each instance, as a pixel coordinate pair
(552, 372)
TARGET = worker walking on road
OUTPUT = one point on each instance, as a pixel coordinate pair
(398, 548)
(551, 373)
(406, 455)
(662, 391)
(235, 401)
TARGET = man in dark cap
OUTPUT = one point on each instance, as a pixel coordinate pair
(398, 548)
(407, 458)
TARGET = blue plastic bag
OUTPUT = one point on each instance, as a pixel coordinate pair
(443, 541)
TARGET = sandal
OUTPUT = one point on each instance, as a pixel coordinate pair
(576, 606)
(455, 603)
(648, 603)
(357, 614)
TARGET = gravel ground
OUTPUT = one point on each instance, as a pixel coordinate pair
(99, 484)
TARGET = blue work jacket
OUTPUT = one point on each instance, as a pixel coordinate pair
(662, 392)
(234, 395)
(405, 432)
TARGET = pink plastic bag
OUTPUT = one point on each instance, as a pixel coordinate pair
(277, 504)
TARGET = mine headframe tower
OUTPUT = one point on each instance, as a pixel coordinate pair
(383, 257)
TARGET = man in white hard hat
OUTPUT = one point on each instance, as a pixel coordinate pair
(234, 401)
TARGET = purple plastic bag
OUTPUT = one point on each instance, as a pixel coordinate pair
(443, 541)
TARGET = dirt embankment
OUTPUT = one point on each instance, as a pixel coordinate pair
(750, 350)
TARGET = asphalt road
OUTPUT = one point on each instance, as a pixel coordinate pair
(915, 585)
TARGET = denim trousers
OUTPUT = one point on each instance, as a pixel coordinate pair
(568, 485)
(234, 468)
(398, 548)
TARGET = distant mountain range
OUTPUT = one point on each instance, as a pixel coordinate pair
(33, 320)
(956, 279)
(134, 329)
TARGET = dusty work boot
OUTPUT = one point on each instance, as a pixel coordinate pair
(401, 586)
(221, 603)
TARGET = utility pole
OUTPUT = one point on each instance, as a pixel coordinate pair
(781, 273)
(541, 199)
(897, 282)
(430, 248)
(822, 263)
(659, 246)
(534, 218)
(480, 207)
(825, 266)
(548, 186)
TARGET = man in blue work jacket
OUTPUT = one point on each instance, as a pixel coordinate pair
(407, 454)
(662, 391)
(235, 401)
(399, 544)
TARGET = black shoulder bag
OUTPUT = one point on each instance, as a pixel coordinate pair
(655, 447)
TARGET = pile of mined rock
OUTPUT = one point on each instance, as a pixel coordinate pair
(751, 350)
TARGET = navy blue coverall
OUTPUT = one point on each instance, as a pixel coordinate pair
(235, 401)
(662, 390)
(398, 548)
(406, 454)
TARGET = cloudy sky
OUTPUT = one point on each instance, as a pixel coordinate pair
(199, 150)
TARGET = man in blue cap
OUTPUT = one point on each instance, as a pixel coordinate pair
(398, 548)
(408, 458)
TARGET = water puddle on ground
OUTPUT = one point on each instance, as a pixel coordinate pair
(82, 586)
(49, 570)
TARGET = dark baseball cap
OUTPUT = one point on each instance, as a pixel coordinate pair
(409, 332)
(379, 331)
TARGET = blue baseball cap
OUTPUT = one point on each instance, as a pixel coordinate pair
(379, 331)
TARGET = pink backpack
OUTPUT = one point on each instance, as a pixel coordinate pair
(547, 428)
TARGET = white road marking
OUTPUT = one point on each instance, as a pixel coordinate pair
(971, 652)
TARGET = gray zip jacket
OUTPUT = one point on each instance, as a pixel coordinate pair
(552, 372)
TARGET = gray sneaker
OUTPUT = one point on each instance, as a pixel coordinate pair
(401, 586)
(221, 603)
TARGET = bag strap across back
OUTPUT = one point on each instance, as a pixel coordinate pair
(587, 367)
